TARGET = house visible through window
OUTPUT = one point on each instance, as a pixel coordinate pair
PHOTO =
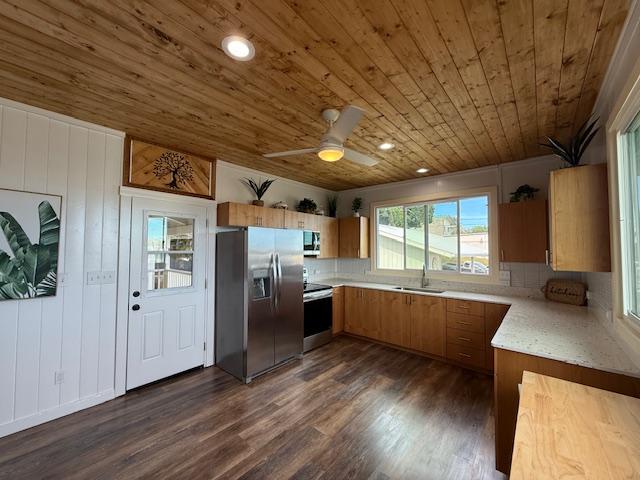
(629, 178)
(447, 236)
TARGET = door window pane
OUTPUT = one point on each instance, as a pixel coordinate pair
(443, 236)
(474, 235)
(415, 233)
(390, 254)
(169, 252)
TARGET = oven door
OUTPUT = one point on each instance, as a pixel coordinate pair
(318, 320)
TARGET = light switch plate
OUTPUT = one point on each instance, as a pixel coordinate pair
(94, 278)
(108, 277)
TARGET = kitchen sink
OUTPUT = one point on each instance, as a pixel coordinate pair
(418, 289)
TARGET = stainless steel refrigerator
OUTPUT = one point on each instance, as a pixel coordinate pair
(259, 306)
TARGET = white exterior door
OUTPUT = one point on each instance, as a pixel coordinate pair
(166, 290)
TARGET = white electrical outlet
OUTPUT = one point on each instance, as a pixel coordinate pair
(94, 278)
(58, 377)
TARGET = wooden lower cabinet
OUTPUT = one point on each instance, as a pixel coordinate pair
(362, 312)
(428, 330)
(458, 330)
(395, 318)
(338, 310)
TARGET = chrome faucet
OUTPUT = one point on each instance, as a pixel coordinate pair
(425, 280)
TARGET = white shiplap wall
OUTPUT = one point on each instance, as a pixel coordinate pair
(73, 332)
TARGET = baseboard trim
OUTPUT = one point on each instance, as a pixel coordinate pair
(51, 414)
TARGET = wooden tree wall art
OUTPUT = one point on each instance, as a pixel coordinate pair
(158, 168)
(29, 244)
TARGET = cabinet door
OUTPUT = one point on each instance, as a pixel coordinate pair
(370, 304)
(270, 217)
(428, 324)
(523, 231)
(328, 237)
(536, 241)
(353, 310)
(512, 232)
(579, 211)
(395, 318)
(338, 310)
(354, 237)
(493, 315)
(294, 220)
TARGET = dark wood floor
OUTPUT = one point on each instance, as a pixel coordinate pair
(351, 409)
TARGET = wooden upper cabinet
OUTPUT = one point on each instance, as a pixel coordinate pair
(243, 215)
(428, 324)
(579, 217)
(329, 237)
(523, 231)
(301, 221)
(354, 237)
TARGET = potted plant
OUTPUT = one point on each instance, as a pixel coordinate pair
(332, 204)
(307, 205)
(523, 192)
(572, 153)
(259, 189)
(356, 205)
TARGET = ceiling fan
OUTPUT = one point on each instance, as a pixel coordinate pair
(331, 148)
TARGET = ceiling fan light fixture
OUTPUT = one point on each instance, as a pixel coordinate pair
(422, 170)
(238, 48)
(331, 154)
(386, 146)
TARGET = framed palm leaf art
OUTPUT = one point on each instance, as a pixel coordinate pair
(165, 170)
(29, 244)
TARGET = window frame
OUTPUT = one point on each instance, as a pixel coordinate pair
(494, 264)
(624, 110)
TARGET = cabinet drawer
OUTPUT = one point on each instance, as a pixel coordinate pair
(465, 306)
(465, 338)
(469, 323)
(469, 356)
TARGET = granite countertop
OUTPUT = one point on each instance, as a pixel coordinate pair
(557, 331)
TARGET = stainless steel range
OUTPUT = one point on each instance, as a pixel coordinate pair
(318, 315)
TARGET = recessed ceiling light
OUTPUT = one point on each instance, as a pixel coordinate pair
(422, 170)
(238, 48)
(386, 146)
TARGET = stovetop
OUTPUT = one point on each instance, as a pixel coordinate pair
(316, 287)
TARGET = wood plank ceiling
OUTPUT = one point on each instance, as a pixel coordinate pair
(455, 84)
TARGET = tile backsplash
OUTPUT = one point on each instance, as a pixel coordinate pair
(526, 279)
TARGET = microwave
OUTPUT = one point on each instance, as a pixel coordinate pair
(311, 243)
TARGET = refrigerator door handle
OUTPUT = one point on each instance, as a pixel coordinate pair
(279, 281)
(274, 279)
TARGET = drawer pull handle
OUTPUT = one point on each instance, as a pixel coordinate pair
(465, 307)
(464, 323)
(464, 338)
(464, 355)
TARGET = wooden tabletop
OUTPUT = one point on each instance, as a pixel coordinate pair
(568, 430)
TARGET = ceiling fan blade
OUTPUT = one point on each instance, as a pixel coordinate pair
(347, 121)
(290, 153)
(360, 158)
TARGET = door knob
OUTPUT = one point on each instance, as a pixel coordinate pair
(135, 308)
(136, 294)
